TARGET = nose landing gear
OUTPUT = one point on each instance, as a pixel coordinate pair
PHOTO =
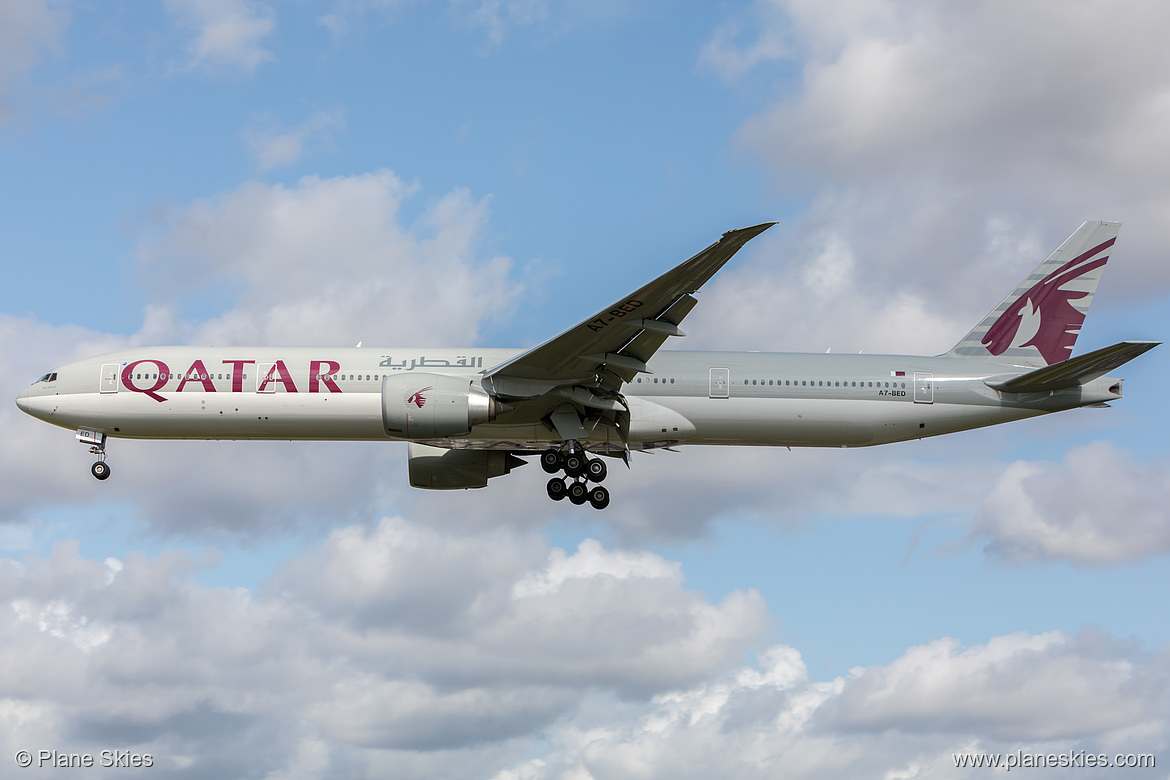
(580, 469)
(97, 442)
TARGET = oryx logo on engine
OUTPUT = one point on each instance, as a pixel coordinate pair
(418, 399)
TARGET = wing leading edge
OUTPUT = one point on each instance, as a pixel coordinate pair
(614, 345)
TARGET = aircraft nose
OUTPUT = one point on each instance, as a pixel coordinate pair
(22, 399)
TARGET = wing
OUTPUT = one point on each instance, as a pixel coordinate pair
(572, 382)
(613, 345)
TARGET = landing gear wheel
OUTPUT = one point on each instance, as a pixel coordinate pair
(100, 470)
(595, 469)
(578, 493)
(557, 489)
(574, 464)
(599, 497)
(551, 461)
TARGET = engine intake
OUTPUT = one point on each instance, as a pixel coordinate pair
(430, 406)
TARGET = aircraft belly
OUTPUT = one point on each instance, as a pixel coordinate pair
(226, 415)
(836, 422)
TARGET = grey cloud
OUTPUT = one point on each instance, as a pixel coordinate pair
(599, 657)
(632, 627)
(1101, 506)
(134, 651)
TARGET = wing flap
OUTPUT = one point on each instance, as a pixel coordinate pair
(1075, 371)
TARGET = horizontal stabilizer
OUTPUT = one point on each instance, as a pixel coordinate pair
(1075, 371)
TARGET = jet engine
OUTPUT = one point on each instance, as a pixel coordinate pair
(435, 468)
(431, 406)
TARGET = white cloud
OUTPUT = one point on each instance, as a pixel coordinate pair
(329, 262)
(26, 30)
(1100, 506)
(495, 20)
(496, 17)
(733, 57)
(948, 153)
(275, 147)
(1017, 687)
(1039, 693)
(228, 33)
(813, 293)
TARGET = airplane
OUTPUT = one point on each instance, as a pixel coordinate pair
(603, 387)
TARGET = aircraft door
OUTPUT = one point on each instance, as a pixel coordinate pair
(109, 381)
(923, 387)
(720, 383)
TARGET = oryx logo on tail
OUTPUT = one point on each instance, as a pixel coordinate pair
(418, 399)
(1044, 317)
(1037, 324)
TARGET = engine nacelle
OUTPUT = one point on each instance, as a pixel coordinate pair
(435, 468)
(432, 406)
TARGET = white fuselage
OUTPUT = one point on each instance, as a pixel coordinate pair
(726, 398)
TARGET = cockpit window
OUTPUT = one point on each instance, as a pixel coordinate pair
(51, 377)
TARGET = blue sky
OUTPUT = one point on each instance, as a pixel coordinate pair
(489, 172)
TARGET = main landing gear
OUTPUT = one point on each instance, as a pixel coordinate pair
(97, 442)
(581, 470)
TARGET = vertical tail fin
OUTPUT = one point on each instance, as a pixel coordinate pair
(1038, 324)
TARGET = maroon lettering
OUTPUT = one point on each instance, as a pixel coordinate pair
(159, 383)
(323, 370)
(238, 373)
(197, 373)
(283, 376)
